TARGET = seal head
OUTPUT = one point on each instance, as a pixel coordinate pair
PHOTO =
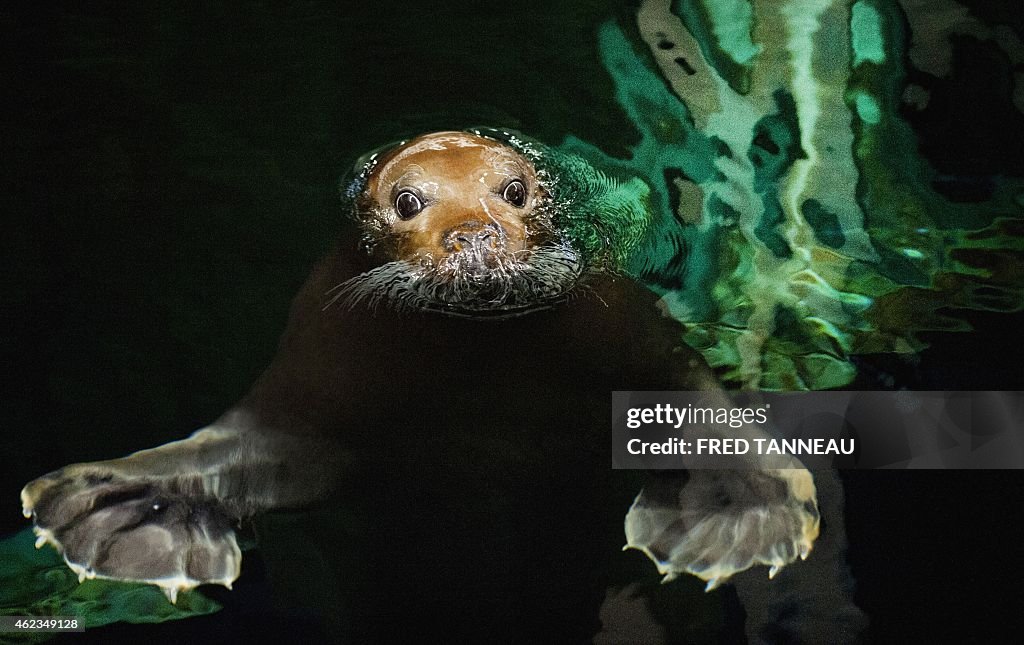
(464, 225)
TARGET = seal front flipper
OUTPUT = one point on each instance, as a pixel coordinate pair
(165, 516)
(730, 514)
(721, 522)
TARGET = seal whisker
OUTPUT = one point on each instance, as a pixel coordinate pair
(516, 280)
(334, 288)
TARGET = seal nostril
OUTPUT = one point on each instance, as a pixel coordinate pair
(472, 235)
(489, 240)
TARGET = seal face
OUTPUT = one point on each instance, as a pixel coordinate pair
(465, 226)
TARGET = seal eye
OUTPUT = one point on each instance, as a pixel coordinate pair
(408, 204)
(515, 193)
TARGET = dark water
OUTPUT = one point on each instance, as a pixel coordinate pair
(169, 177)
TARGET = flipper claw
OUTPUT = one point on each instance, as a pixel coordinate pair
(44, 536)
(27, 505)
(171, 593)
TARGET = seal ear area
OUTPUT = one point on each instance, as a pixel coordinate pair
(354, 183)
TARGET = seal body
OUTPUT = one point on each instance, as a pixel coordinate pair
(450, 393)
(478, 456)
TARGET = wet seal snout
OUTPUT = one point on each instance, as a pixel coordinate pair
(474, 244)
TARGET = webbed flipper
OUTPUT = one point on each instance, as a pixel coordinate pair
(133, 528)
(722, 522)
(166, 515)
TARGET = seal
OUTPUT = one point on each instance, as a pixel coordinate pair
(449, 389)
(465, 227)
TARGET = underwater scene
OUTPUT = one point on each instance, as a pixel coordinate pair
(473, 224)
